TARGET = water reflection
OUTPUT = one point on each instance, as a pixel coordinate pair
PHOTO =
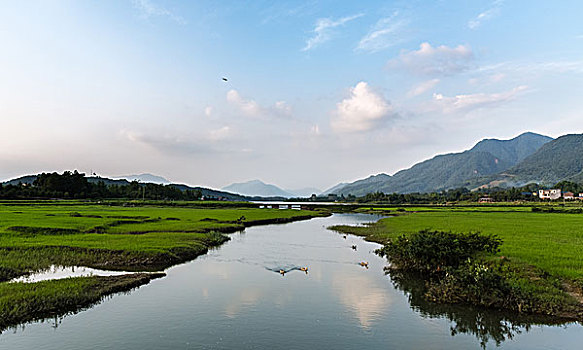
(486, 325)
(245, 299)
(359, 294)
(55, 272)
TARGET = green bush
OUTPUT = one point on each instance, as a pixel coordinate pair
(434, 251)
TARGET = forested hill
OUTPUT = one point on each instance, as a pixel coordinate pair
(514, 150)
(77, 185)
(558, 160)
(364, 186)
(487, 157)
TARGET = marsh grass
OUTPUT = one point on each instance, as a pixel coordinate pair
(35, 236)
(24, 302)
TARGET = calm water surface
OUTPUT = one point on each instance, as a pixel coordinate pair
(235, 298)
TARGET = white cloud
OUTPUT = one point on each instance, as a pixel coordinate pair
(315, 130)
(253, 109)
(489, 79)
(361, 111)
(247, 106)
(460, 103)
(384, 34)
(490, 13)
(208, 111)
(219, 134)
(422, 87)
(535, 67)
(174, 142)
(283, 108)
(324, 30)
(149, 9)
(168, 143)
(279, 11)
(429, 60)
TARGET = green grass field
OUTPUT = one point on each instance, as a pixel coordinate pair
(550, 241)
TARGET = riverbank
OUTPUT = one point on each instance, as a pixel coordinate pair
(140, 238)
(539, 257)
(34, 237)
(25, 302)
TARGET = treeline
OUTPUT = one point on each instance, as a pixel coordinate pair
(74, 185)
(525, 193)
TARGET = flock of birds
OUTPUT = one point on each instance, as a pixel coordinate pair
(362, 263)
(305, 268)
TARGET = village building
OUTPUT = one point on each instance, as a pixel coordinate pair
(486, 200)
(549, 194)
(568, 195)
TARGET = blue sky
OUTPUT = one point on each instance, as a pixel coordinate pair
(318, 92)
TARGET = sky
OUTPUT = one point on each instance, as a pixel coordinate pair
(317, 92)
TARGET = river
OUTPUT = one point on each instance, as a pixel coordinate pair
(235, 298)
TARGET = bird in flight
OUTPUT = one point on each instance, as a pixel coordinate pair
(225, 79)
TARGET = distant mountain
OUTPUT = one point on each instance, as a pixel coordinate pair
(558, 160)
(514, 150)
(336, 188)
(370, 184)
(487, 157)
(28, 180)
(210, 193)
(304, 192)
(257, 188)
(145, 178)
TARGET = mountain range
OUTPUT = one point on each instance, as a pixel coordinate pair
(260, 188)
(558, 160)
(206, 192)
(489, 162)
(145, 178)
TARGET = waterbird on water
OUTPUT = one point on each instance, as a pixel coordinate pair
(354, 247)
(305, 269)
(364, 264)
(282, 272)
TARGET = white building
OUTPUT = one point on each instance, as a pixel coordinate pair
(549, 194)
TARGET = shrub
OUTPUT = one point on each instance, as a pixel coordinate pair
(429, 251)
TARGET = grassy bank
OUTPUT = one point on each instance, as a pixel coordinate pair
(24, 302)
(34, 236)
(541, 250)
(137, 237)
